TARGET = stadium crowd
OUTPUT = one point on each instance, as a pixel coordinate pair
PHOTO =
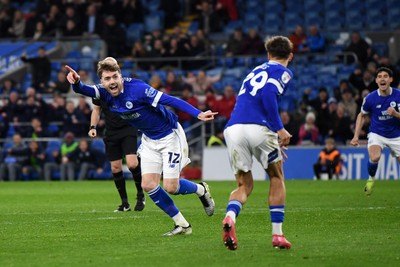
(46, 109)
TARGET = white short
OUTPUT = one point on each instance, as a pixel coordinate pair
(392, 143)
(247, 140)
(167, 155)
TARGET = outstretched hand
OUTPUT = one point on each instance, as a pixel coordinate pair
(72, 75)
(207, 115)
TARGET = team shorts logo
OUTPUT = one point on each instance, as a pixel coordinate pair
(393, 104)
(129, 105)
(285, 77)
(151, 92)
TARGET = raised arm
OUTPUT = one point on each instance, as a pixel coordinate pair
(79, 87)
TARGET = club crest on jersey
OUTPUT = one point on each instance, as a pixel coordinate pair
(285, 77)
(128, 105)
(393, 104)
(151, 92)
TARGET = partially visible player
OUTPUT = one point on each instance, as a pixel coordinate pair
(255, 129)
(120, 141)
(164, 148)
(382, 105)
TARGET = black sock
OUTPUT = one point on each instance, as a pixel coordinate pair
(137, 177)
(119, 181)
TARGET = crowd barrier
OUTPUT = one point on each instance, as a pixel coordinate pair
(299, 165)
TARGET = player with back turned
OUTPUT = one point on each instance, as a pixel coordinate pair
(382, 105)
(255, 129)
(164, 148)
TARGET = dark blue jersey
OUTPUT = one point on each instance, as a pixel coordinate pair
(141, 106)
(257, 101)
(376, 106)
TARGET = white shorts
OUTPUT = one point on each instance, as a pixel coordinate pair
(167, 155)
(392, 143)
(247, 140)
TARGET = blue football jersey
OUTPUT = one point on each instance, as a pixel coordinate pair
(141, 106)
(257, 101)
(376, 106)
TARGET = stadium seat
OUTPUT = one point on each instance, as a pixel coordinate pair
(154, 21)
(232, 25)
(98, 144)
(134, 32)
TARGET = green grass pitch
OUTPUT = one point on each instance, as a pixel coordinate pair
(330, 223)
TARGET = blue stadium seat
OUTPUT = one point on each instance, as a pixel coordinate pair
(98, 144)
(134, 32)
(154, 21)
(232, 25)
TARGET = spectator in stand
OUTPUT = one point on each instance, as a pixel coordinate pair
(171, 9)
(4, 126)
(8, 87)
(30, 24)
(34, 167)
(57, 108)
(115, 37)
(17, 29)
(138, 52)
(132, 12)
(360, 47)
(290, 126)
(85, 77)
(332, 107)
(211, 99)
(60, 160)
(227, 10)
(320, 106)
(208, 20)
(201, 82)
(235, 43)
(53, 20)
(367, 80)
(40, 31)
(315, 41)
(343, 85)
(156, 82)
(195, 49)
(74, 121)
(35, 130)
(308, 132)
(350, 105)
(172, 85)
(184, 118)
(61, 86)
(84, 107)
(71, 29)
(93, 21)
(298, 38)
(14, 159)
(32, 108)
(83, 159)
(13, 108)
(253, 43)
(70, 14)
(5, 23)
(329, 160)
(225, 107)
(40, 69)
(157, 51)
(341, 125)
(174, 50)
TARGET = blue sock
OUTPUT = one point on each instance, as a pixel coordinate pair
(277, 213)
(372, 167)
(186, 187)
(163, 201)
(234, 206)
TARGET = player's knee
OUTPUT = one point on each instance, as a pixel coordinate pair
(170, 188)
(375, 157)
(116, 168)
(148, 185)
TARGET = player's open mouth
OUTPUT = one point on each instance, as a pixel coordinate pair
(113, 88)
